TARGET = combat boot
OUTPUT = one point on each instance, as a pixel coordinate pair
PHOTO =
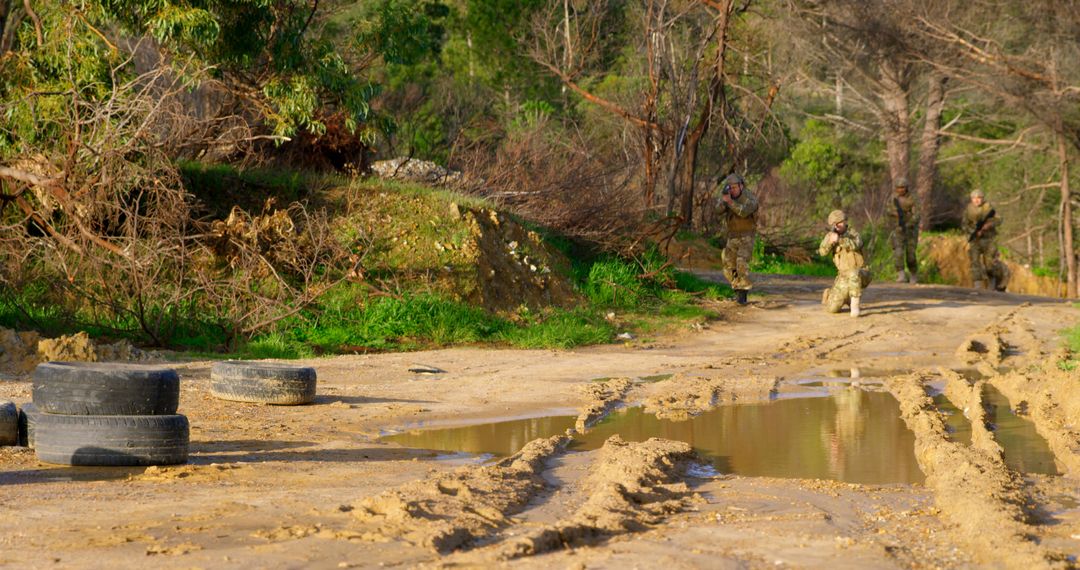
(913, 278)
(855, 309)
(901, 276)
(980, 284)
(740, 296)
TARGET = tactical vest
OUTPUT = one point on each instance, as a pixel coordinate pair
(741, 227)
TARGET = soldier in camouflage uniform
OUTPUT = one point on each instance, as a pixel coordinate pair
(845, 247)
(980, 224)
(737, 206)
(904, 220)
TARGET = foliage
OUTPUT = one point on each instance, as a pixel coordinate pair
(835, 164)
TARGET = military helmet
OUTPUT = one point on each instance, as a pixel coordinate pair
(836, 216)
(733, 178)
(977, 193)
(901, 182)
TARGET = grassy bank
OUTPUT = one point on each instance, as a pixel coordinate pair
(421, 251)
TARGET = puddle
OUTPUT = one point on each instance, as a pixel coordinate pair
(955, 421)
(850, 435)
(498, 438)
(1025, 450)
(655, 378)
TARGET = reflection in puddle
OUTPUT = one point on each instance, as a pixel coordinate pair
(852, 436)
(1025, 450)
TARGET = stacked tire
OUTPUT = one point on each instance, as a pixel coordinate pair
(91, 413)
(263, 383)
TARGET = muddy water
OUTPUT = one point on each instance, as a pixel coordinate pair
(1024, 449)
(850, 435)
(955, 421)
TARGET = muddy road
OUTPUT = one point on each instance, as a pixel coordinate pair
(938, 430)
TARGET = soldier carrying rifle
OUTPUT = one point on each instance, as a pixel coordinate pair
(904, 219)
(980, 224)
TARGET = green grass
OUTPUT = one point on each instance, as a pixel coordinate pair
(644, 293)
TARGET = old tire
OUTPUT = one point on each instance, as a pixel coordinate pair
(28, 415)
(263, 382)
(111, 440)
(9, 423)
(105, 389)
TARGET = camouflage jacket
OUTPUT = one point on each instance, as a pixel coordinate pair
(972, 215)
(846, 251)
(741, 215)
(907, 206)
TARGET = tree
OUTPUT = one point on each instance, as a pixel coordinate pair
(1028, 57)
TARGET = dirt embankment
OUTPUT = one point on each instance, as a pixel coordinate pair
(469, 252)
(20, 352)
(949, 255)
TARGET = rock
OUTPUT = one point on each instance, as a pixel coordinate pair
(425, 171)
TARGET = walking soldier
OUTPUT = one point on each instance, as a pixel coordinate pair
(738, 207)
(904, 220)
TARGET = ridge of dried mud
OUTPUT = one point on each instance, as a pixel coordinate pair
(684, 396)
(630, 487)
(1051, 397)
(972, 486)
(600, 398)
(968, 398)
(455, 510)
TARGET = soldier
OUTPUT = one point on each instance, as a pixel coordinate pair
(845, 245)
(904, 221)
(738, 206)
(980, 224)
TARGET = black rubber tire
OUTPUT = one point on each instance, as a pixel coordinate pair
(263, 383)
(111, 440)
(105, 389)
(28, 414)
(9, 423)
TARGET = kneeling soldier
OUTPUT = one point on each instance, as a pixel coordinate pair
(852, 277)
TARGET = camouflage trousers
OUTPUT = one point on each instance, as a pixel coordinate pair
(986, 262)
(736, 258)
(904, 243)
(848, 285)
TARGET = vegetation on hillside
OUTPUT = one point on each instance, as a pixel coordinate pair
(192, 172)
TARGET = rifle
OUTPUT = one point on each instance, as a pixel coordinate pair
(899, 213)
(979, 226)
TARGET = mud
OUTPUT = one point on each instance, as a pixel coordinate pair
(1050, 396)
(455, 510)
(600, 399)
(314, 486)
(630, 487)
(682, 397)
(968, 398)
(980, 496)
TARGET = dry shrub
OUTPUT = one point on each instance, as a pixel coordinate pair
(557, 180)
(107, 228)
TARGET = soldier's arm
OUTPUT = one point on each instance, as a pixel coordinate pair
(745, 207)
(826, 247)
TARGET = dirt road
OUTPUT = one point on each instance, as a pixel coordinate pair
(276, 487)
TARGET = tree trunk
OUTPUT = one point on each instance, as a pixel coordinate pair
(929, 145)
(895, 118)
(1067, 249)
